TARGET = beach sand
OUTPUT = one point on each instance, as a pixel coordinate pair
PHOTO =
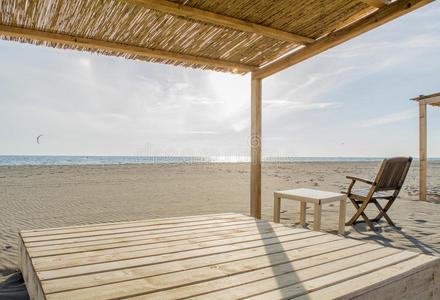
(53, 196)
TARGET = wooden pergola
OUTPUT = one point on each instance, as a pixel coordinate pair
(434, 100)
(258, 36)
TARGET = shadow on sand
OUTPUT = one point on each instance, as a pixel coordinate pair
(379, 238)
(13, 288)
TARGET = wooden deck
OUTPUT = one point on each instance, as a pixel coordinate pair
(224, 256)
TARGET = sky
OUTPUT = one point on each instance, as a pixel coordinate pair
(350, 101)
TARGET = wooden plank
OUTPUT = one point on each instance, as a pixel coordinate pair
(223, 232)
(117, 225)
(379, 17)
(147, 228)
(259, 260)
(266, 267)
(156, 242)
(70, 260)
(223, 261)
(377, 3)
(422, 152)
(78, 41)
(30, 277)
(431, 101)
(177, 9)
(286, 289)
(406, 280)
(426, 97)
(185, 277)
(255, 141)
(141, 234)
(298, 274)
(421, 285)
(298, 240)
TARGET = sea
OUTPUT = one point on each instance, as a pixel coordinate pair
(54, 160)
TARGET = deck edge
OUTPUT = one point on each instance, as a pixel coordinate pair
(371, 291)
(30, 277)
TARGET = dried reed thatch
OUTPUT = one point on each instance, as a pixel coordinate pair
(129, 23)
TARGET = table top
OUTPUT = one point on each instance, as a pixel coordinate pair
(310, 195)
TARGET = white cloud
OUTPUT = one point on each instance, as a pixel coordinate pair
(391, 118)
(89, 104)
(292, 106)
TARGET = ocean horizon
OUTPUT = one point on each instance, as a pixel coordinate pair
(55, 160)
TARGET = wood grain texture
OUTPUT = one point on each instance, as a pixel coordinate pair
(78, 41)
(377, 3)
(375, 19)
(222, 20)
(255, 142)
(257, 260)
(422, 152)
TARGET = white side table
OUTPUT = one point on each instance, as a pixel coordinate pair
(316, 197)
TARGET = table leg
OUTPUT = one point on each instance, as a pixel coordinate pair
(342, 208)
(276, 209)
(317, 217)
(302, 213)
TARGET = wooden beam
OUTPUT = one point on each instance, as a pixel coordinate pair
(377, 3)
(423, 97)
(222, 20)
(433, 99)
(255, 141)
(375, 19)
(20, 32)
(422, 151)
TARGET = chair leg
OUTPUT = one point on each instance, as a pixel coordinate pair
(364, 216)
(360, 212)
(383, 212)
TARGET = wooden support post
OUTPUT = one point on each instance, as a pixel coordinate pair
(422, 151)
(342, 209)
(302, 213)
(255, 141)
(276, 209)
(317, 217)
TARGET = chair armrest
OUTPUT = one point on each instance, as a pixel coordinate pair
(360, 179)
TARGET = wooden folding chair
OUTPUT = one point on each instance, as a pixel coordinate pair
(389, 179)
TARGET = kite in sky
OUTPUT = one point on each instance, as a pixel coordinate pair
(38, 138)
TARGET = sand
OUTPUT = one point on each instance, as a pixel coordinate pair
(52, 196)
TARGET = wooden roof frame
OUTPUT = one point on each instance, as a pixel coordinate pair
(221, 20)
(433, 99)
(382, 15)
(379, 13)
(379, 17)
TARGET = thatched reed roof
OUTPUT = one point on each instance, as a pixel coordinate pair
(221, 35)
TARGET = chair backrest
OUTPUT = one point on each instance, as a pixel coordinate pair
(392, 173)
